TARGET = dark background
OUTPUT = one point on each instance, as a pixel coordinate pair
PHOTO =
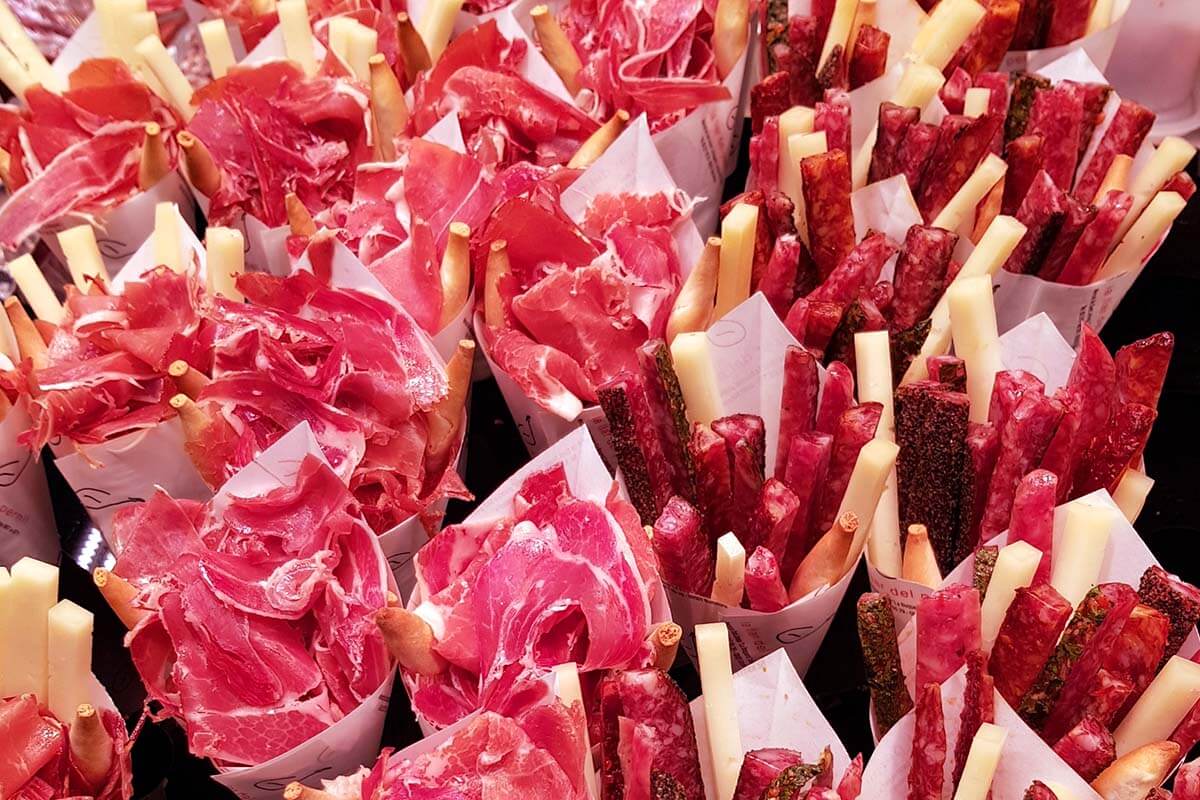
(1164, 298)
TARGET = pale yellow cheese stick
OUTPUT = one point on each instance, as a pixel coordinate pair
(217, 47)
(37, 291)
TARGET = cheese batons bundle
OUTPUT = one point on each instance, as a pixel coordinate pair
(46, 692)
(699, 477)
(974, 464)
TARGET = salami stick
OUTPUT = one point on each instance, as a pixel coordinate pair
(594, 146)
(685, 555)
(764, 586)
(920, 82)
(1032, 625)
(1015, 567)
(557, 48)
(925, 774)
(948, 629)
(881, 657)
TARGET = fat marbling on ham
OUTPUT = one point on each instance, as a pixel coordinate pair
(554, 580)
(261, 632)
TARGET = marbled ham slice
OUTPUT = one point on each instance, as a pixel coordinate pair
(539, 754)
(562, 584)
(247, 684)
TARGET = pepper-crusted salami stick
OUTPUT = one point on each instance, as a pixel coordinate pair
(1088, 748)
(1178, 600)
(978, 709)
(881, 657)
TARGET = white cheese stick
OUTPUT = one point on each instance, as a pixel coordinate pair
(1016, 564)
(976, 339)
(1172, 155)
(1144, 235)
(261, 8)
(796, 120)
(225, 260)
(873, 363)
(799, 147)
(946, 29)
(875, 463)
(720, 707)
(960, 211)
(33, 592)
(142, 24)
(1098, 20)
(976, 100)
(437, 24)
(730, 581)
(919, 83)
(168, 248)
(69, 658)
(9, 349)
(840, 24)
(339, 38)
(17, 40)
(13, 74)
(1117, 177)
(364, 43)
(738, 235)
(168, 73)
(297, 34)
(83, 256)
(1131, 493)
(10, 657)
(1076, 561)
(697, 378)
(1161, 707)
(982, 761)
(993, 249)
(568, 691)
(217, 47)
(37, 291)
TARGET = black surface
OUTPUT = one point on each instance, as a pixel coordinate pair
(1164, 298)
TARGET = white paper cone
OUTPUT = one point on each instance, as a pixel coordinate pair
(774, 710)
(143, 259)
(1034, 346)
(121, 231)
(128, 469)
(1099, 47)
(27, 526)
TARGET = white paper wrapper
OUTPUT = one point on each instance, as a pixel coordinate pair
(351, 741)
(127, 470)
(1025, 758)
(747, 348)
(121, 231)
(631, 164)
(1034, 346)
(401, 542)
(86, 42)
(27, 526)
(774, 710)
(587, 478)
(143, 259)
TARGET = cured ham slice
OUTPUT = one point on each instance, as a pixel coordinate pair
(539, 751)
(262, 630)
(273, 130)
(78, 152)
(556, 580)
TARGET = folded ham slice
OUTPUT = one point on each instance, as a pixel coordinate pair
(261, 632)
(556, 579)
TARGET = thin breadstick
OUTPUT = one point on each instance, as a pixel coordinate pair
(298, 791)
(823, 566)
(455, 272)
(119, 594)
(445, 420)
(299, 220)
(557, 48)
(199, 165)
(694, 304)
(30, 343)
(389, 111)
(188, 379)
(594, 146)
(91, 745)
(665, 640)
(731, 33)
(498, 268)
(920, 563)
(410, 640)
(412, 48)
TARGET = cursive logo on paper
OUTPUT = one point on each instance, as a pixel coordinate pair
(398, 560)
(526, 429)
(113, 248)
(323, 757)
(95, 498)
(726, 333)
(11, 471)
(802, 632)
